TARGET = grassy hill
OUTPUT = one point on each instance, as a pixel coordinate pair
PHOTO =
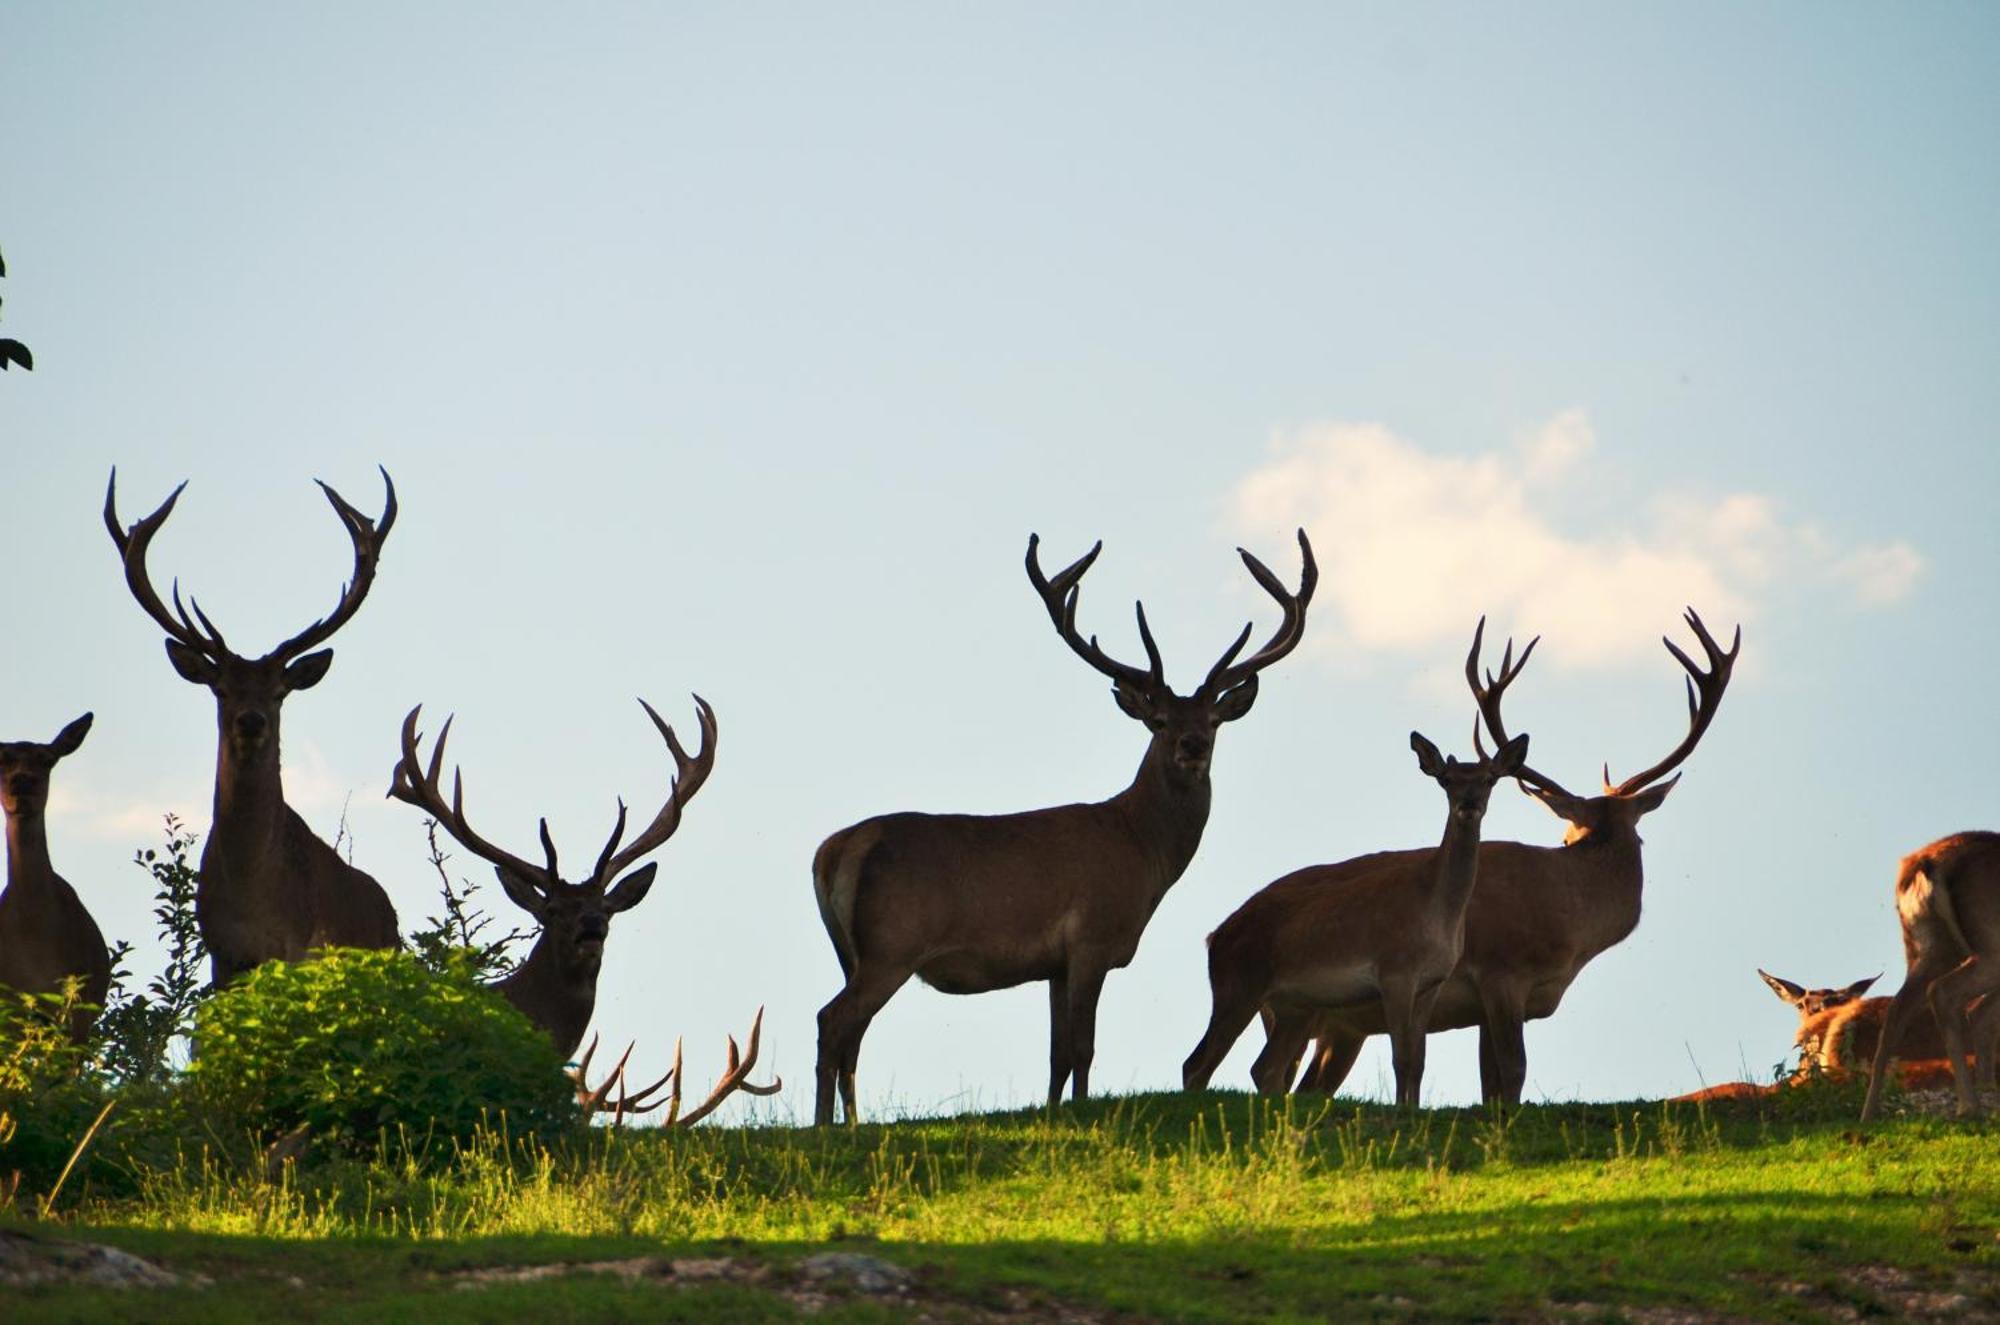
(1218, 1207)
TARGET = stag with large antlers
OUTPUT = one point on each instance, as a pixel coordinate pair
(1329, 936)
(1539, 914)
(556, 986)
(46, 933)
(970, 903)
(1948, 900)
(269, 888)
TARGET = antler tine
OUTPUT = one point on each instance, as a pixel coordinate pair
(132, 546)
(367, 538)
(690, 772)
(413, 784)
(1227, 673)
(1060, 594)
(611, 844)
(734, 1076)
(1488, 696)
(1704, 696)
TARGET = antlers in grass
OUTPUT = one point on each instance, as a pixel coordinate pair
(735, 1077)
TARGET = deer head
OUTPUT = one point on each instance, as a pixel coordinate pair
(1618, 810)
(1183, 727)
(575, 917)
(1468, 786)
(25, 768)
(1812, 1002)
(248, 691)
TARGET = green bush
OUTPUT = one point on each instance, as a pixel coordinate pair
(47, 1101)
(359, 1041)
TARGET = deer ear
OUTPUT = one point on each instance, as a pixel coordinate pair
(631, 890)
(1564, 806)
(1132, 701)
(1428, 758)
(526, 894)
(307, 672)
(1652, 797)
(1859, 987)
(1233, 704)
(1785, 989)
(1509, 757)
(71, 736)
(192, 664)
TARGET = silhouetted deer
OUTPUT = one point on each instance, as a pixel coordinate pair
(1331, 936)
(46, 933)
(1539, 914)
(269, 889)
(970, 903)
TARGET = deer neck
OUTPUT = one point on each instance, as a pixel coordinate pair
(1608, 879)
(28, 867)
(249, 794)
(1455, 867)
(557, 996)
(1166, 808)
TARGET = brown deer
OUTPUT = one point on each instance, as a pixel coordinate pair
(1539, 914)
(1812, 1002)
(556, 986)
(970, 903)
(269, 889)
(1324, 937)
(46, 933)
(1948, 900)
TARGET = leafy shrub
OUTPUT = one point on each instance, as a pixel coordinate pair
(47, 1101)
(138, 1033)
(361, 1040)
(456, 936)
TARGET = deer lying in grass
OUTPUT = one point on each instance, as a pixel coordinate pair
(1331, 936)
(556, 985)
(269, 889)
(970, 903)
(1948, 900)
(1539, 914)
(46, 933)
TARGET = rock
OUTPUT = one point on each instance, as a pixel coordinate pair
(865, 1274)
(26, 1260)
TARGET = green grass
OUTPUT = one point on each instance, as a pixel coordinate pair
(1217, 1207)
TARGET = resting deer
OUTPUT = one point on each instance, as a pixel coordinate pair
(971, 903)
(46, 933)
(1539, 914)
(269, 889)
(556, 986)
(1326, 936)
(1948, 900)
(1839, 1029)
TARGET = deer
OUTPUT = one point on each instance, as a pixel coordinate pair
(1325, 937)
(1948, 902)
(972, 903)
(269, 888)
(47, 935)
(1539, 914)
(555, 986)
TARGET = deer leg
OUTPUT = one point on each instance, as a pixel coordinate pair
(1061, 1052)
(1232, 1011)
(1949, 996)
(1332, 1061)
(1084, 988)
(1407, 1023)
(1985, 1043)
(842, 1023)
(1286, 1033)
(1503, 1047)
(1910, 1001)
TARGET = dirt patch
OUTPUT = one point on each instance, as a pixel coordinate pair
(812, 1285)
(1877, 1292)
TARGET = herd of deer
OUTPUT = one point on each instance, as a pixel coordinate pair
(1466, 933)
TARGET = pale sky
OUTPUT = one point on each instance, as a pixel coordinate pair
(738, 349)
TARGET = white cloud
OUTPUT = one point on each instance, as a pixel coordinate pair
(1415, 546)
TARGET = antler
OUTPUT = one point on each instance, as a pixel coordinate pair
(1059, 596)
(1488, 698)
(1227, 674)
(1704, 695)
(594, 1099)
(689, 775)
(735, 1077)
(132, 546)
(414, 784)
(367, 537)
